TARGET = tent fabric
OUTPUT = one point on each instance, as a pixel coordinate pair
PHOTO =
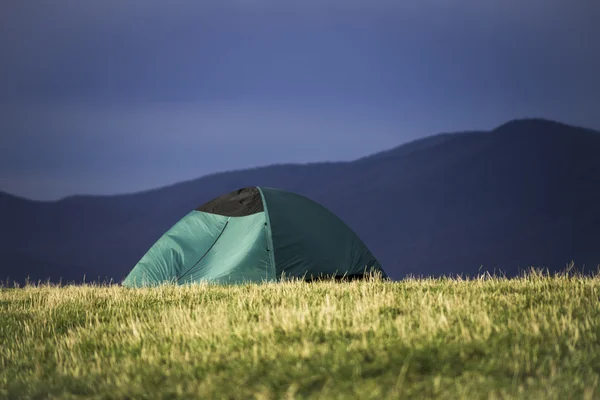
(254, 235)
(310, 240)
(240, 203)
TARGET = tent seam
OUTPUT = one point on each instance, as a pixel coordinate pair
(271, 249)
(207, 251)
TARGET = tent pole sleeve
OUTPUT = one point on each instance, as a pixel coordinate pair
(270, 247)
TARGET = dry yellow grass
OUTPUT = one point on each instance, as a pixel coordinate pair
(532, 337)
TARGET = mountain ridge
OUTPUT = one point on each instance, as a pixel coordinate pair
(448, 203)
(519, 123)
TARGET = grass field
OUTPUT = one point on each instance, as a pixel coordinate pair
(536, 337)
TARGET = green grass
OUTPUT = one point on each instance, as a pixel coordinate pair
(535, 337)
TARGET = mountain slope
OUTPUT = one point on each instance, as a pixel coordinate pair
(526, 193)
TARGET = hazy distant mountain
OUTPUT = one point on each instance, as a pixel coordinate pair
(525, 194)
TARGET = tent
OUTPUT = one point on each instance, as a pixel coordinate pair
(254, 234)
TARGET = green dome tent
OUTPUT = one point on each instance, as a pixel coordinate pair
(254, 235)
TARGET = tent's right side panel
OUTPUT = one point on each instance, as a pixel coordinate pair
(309, 240)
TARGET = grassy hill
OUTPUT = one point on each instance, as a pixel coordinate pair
(534, 337)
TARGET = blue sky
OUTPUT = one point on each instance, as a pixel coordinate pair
(118, 96)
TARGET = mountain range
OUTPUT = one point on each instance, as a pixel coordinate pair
(524, 194)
